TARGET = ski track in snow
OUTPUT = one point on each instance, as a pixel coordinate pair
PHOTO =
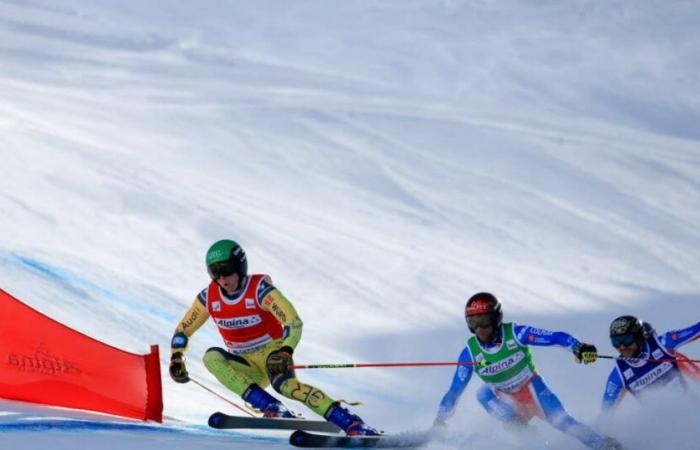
(381, 163)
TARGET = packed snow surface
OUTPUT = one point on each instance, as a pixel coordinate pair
(382, 161)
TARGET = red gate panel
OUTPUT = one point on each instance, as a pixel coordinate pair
(43, 361)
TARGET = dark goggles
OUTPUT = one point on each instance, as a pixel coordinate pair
(222, 269)
(623, 339)
(479, 320)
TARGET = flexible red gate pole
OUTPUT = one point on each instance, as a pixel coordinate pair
(361, 365)
(652, 360)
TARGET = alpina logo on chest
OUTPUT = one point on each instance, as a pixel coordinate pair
(235, 323)
(651, 376)
(501, 366)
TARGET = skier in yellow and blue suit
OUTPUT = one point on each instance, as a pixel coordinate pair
(260, 329)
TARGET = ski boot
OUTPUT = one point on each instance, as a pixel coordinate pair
(350, 423)
(609, 443)
(271, 408)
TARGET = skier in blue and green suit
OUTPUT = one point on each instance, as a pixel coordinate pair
(513, 391)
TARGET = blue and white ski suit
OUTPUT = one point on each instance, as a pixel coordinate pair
(639, 375)
(532, 398)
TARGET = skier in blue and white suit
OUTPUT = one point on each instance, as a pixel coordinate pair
(513, 391)
(648, 360)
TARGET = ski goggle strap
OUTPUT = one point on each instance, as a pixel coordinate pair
(623, 339)
(480, 320)
(222, 269)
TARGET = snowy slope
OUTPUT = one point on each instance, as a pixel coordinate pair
(382, 161)
(30, 426)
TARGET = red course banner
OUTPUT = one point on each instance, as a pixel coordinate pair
(43, 361)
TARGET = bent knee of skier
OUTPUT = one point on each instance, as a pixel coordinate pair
(280, 379)
(314, 398)
(562, 421)
(551, 406)
(216, 357)
(233, 371)
(495, 406)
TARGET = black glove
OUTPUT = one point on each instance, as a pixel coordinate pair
(178, 371)
(585, 353)
(278, 362)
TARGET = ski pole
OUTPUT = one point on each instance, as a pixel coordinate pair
(221, 396)
(362, 365)
(652, 360)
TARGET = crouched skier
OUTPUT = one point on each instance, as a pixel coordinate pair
(260, 329)
(513, 391)
(648, 362)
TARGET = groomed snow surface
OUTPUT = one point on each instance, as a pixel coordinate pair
(382, 161)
